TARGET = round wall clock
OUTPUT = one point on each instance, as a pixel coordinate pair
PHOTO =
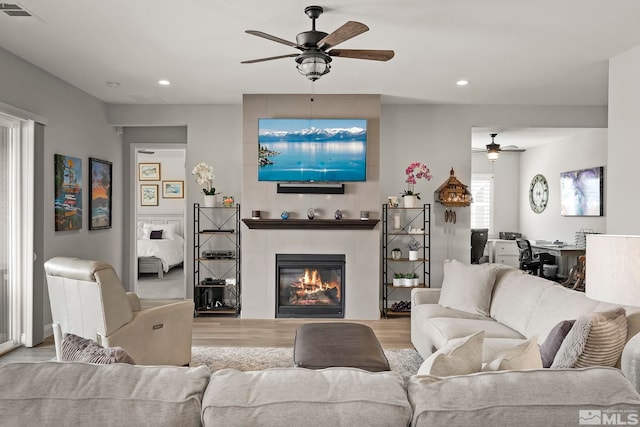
(538, 193)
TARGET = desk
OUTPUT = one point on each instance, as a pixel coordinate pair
(566, 256)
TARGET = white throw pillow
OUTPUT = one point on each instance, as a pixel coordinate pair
(522, 356)
(461, 356)
(468, 287)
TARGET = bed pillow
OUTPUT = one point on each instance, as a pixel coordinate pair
(468, 287)
(596, 339)
(522, 356)
(168, 230)
(78, 349)
(458, 357)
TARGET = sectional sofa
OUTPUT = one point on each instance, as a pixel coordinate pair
(511, 307)
(71, 394)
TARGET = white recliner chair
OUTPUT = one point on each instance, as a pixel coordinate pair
(88, 300)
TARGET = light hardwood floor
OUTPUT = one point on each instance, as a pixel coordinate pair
(233, 332)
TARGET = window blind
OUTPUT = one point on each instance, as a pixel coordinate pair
(482, 206)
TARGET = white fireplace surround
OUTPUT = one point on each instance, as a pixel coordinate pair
(361, 247)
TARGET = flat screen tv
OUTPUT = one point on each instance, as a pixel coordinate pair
(312, 150)
(581, 192)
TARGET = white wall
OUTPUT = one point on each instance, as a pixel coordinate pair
(587, 150)
(624, 149)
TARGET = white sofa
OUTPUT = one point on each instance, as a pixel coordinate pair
(520, 307)
(72, 394)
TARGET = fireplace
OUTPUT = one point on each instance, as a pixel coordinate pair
(310, 285)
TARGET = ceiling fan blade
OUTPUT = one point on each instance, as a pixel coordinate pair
(252, 61)
(272, 38)
(344, 33)
(374, 55)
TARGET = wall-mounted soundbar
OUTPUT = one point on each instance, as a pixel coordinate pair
(311, 188)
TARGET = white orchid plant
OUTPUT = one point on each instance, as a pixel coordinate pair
(204, 176)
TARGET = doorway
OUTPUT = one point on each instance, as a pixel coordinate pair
(160, 216)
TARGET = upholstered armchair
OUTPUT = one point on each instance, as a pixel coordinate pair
(88, 300)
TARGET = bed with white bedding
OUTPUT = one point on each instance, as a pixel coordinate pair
(160, 246)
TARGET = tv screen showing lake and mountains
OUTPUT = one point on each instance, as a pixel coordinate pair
(312, 150)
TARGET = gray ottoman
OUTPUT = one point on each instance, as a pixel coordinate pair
(334, 344)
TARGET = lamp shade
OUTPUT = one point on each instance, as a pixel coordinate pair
(613, 269)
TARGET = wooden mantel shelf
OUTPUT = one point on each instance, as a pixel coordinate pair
(309, 224)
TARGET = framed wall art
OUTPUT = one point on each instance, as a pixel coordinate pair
(100, 194)
(149, 171)
(581, 192)
(149, 195)
(68, 192)
(173, 189)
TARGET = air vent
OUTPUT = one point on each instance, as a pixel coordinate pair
(15, 10)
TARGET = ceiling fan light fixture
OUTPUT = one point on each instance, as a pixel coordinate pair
(493, 149)
(313, 65)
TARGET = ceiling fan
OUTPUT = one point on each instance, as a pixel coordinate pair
(493, 150)
(317, 46)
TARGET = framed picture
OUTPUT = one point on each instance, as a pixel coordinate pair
(393, 202)
(173, 189)
(149, 195)
(68, 192)
(227, 201)
(149, 171)
(581, 192)
(99, 194)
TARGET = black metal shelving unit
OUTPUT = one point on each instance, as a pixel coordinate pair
(411, 219)
(216, 259)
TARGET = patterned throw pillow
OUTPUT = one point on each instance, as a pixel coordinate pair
(78, 349)
(596, 339)
(155, 234)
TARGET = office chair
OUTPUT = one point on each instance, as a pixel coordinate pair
(479, 238)
(528, 261)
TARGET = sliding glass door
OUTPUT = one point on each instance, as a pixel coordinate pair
(16, 227)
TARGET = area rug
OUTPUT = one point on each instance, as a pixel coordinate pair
(405, 361)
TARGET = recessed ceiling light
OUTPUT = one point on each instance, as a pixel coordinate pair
(462, 82)
(113, 84)
(164, 82)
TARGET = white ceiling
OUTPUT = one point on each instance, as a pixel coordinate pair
(513, 52)
(522, 137)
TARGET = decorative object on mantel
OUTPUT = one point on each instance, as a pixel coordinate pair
(255, 214)
(284, 215)
(311, 213)
(453, 193)
(414, 172)
(338, 214)
(204, 176)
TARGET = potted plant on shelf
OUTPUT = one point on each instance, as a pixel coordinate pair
(397, 279)
(414, 172)
(413, 246)
(414, 279)
(204, 176)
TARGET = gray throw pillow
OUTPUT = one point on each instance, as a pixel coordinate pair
(155, 234)
(468, 287)
(551, 345)
(78, 349)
